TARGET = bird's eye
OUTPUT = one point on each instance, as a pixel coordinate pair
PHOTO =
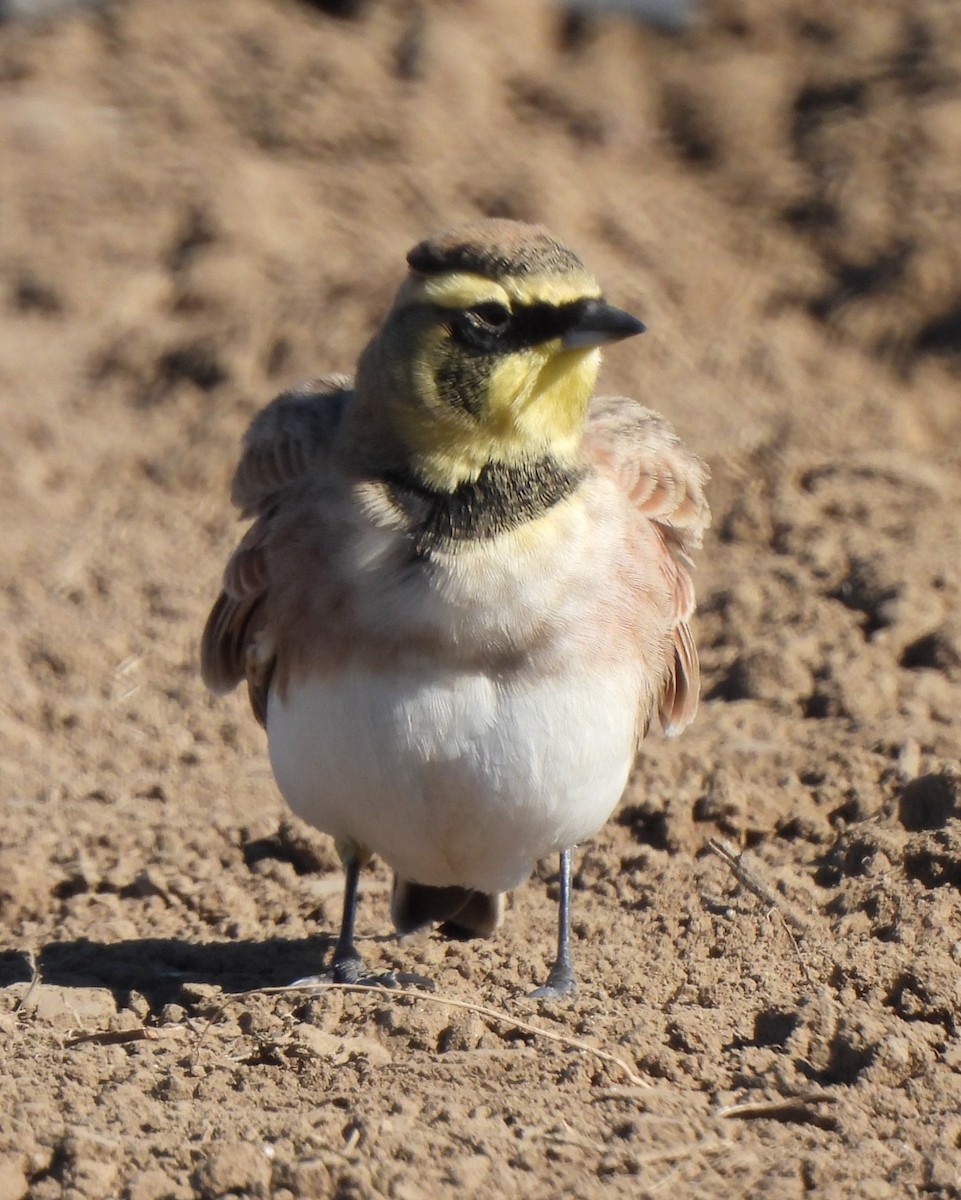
(490, 315)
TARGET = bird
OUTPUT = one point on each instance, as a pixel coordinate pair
(466, 590)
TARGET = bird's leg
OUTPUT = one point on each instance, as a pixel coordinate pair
(347, 966)
(561, 981)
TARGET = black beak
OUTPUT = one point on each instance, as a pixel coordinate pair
(598, 324)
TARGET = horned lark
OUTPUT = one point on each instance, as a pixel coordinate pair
(465, 593)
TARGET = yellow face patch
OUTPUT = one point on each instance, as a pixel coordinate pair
(460, 289)
(552, 289)
(539, 397)
(533, 406)
(457, 289)
(458, 409)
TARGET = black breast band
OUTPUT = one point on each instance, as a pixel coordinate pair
(501, 498)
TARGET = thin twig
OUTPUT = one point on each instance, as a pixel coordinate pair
(782, 1106)
(195, 1053)
(481, 1010)
(34, 981)
(797, 949)
(749, 880)
(754, 883)
(644, 1092)
(633, 1163)
(562, 1135)
(673, 1153)
(120, 1037)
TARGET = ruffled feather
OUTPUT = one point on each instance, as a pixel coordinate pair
(665, 482)
(288, 440)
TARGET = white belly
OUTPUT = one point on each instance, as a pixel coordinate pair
(454, 778)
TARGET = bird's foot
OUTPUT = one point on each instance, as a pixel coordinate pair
(560, 982)
(351, 970)
(398, 979)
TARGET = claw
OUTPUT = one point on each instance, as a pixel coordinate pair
(385, 979)
(560, 982)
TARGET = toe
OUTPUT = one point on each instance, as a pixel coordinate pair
(561, 982)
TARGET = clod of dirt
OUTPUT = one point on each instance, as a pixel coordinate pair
(236, 1169)
(774, 677)
(930, 801)
(939, 650)
(13, 1179)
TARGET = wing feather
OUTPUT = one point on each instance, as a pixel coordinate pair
(665, 481)
(678, 701)
(290, 439)
(287, 439)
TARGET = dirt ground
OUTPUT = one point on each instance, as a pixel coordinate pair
(201, 203)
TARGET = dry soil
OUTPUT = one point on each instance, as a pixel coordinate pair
(201, 203)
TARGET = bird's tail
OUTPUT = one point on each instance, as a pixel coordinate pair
(464, 913)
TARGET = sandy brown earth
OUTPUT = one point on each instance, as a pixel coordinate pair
(201, 203)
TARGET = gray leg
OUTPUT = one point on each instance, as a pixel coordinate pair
(347, 965)
(561, 981)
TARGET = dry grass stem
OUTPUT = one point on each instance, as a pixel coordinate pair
(781, 1107)
(752, 882)
(34, 981)
(482, 1010)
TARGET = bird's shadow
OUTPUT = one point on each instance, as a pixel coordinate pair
(159, 968)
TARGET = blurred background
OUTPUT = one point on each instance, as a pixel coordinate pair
(203, 202)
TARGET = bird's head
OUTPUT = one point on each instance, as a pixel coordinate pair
(490, 352)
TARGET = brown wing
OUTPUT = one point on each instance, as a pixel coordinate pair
(665, 480)
(288, 440)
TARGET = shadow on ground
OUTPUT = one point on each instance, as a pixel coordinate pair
(158, 968)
